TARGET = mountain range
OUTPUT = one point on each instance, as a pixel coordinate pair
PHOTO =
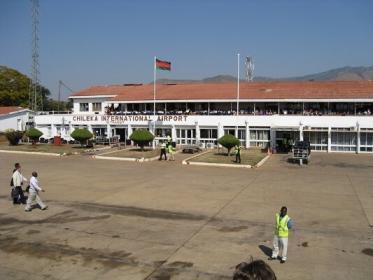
(338, 74)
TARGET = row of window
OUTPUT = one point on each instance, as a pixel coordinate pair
(84, 107)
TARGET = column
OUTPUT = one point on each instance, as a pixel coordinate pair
(329, 139)
(358, 138)
(108, 130)
(220, 130)
(301, 132)
(273, 138)
(247, 130)
(173, 133)
(53, 130)
(198, 134)
(129, 130)
(71, 129)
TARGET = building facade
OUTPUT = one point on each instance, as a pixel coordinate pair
(17, 118)
(333, 116)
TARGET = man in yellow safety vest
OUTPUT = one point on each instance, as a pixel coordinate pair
(280, 240)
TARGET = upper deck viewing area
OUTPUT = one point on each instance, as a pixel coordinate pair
(256, 98)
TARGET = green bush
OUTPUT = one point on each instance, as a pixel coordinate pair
(142, 137)
(34, 134)
(228, 141)
(13, 136)
(81, 135)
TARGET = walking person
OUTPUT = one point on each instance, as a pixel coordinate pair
(169, 140)
(163, 151)
(171, 152)
(17, 181)
(34, 193)
(237, 151)
(280, 240)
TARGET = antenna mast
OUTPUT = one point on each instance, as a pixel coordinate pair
(35, 96)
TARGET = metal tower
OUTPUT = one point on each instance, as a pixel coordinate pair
(249, 68)
(35, 98)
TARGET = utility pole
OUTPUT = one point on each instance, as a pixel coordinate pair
(35, 95)
(60, 84)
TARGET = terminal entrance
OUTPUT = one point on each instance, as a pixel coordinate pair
(285, 140)
(122, 133)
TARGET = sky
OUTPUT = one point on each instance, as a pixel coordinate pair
(91, 42)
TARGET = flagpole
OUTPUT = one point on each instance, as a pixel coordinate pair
(154, 89)
(155, 77)
(238, 83)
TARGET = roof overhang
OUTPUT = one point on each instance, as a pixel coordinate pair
(242, 100)
(91, 96)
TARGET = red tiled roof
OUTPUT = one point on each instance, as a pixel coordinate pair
(10, 109)
(252, 90)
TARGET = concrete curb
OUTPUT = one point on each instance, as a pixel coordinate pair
(260, 163)
(218, 164)
(187, 161)
(111, 152)
(119, 158)
(127, 159)
(30, 153)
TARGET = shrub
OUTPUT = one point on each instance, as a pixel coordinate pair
(81, 135)
(34, 134)
(228, 141)
(13, 136)
(142, 137)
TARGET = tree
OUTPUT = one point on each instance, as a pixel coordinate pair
(13, 136)
(14, 88)
(81, 135)
(141, 137)
(14, 91)
(228, 141)
(34, 134)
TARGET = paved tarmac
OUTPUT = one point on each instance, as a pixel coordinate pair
(164, 220)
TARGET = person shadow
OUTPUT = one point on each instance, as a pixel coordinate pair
(266, 250)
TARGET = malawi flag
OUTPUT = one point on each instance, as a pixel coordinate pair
(163, 65)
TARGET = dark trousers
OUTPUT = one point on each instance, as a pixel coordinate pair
(238, 158)
(163, 152)
(18, 194)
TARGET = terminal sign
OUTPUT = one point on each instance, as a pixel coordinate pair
(120, 119)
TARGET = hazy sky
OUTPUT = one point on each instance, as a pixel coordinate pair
(88, 42)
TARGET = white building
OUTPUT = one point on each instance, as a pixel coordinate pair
(332, 115)
(16, 118)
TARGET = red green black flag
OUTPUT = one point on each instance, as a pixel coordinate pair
(163, 65)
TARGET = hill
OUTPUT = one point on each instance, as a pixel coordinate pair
(338, 74)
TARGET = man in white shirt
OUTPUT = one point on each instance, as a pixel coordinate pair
(17, 180)
(34, 193)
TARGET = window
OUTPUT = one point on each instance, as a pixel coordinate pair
(318, 139)
(162, 132)
(259, 138)
(209, 133)
(84, 107)
(96, 107)
(343, 141)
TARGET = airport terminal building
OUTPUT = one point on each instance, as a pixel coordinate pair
(334, 116)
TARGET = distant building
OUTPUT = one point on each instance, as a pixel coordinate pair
(332, 115)
(17, 118)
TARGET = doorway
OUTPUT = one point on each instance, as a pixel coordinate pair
(285, 140)
(122, 133)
